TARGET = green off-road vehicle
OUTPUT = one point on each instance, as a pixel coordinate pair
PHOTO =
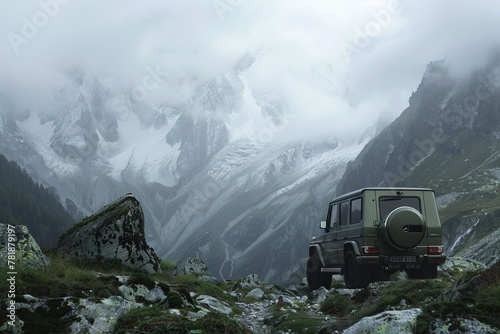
(371, 233)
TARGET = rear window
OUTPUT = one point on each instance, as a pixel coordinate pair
(388, 203)
(356, 211)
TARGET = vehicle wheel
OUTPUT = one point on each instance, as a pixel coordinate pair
(316, 278)
(355, 275)
(425, 272)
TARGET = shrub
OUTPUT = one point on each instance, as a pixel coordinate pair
(336, 304)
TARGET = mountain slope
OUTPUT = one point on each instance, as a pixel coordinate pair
(214, 180)
(447, 139)
(24, 202)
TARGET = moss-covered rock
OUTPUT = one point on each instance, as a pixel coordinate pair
(116, 232)
(18, 246)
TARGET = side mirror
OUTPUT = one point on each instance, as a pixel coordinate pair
(322, 224)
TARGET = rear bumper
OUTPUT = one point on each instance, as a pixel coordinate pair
(385, 260)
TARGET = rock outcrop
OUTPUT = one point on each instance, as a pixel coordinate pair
(190, 266)
(402, 322)
(17, 245)
(114, 233)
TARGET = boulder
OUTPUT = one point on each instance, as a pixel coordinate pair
(251, 281)
(319, 295)
(255, 293)
(190, 266)
(214, 304)
(114, 233)
(18, 246)
(397, 322)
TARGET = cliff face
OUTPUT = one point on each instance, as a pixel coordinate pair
(448, 140)
(116, 232)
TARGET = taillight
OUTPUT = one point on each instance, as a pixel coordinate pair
(434, 249)
(370, 249)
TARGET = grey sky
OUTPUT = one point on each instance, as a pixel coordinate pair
(338, 64)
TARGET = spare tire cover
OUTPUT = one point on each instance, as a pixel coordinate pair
(405, 228)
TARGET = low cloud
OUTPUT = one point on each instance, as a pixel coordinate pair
(338, 65)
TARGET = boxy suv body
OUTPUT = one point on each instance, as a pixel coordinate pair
(371, 233)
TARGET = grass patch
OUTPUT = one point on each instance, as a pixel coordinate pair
(201, 287)
(299, 321)
(154, 319)
(60, 279)
(337, 304)
(482, 302)
(157, 319)
(414, 292)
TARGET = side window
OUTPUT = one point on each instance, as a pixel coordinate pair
(356, 215)
(344, 213)
(334, 217)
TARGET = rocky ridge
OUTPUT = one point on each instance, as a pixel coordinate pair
(447, 140)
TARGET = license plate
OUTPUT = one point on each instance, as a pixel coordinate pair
(402, 259)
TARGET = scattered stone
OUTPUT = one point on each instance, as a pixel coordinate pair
(251, 281)
(350, 293)
(400, 322)
(319, 295)
(400, 276)
(195, 315)
(174, 311)
(285, 300)
(210, 279)
(256, 293)
(375, 287)
(114, 233)
(27, 251)
(99, 317)
(460, 325)
(190, 266)
(235, 294)
(214, 304)
(140, 293)
(81, 315)
(461, 264)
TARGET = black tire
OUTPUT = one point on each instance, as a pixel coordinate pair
(316, 278)
(427, 271)
(355, 275)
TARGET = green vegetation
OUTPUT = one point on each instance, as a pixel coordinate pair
(294, 320)
(337, 304)
(481, 301)
(157, 319)
(60, 279)
(201, 287)
(24, 202)
(179, 313)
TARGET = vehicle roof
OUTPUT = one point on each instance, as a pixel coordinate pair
(360, 191)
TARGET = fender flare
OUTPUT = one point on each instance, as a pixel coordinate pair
(317, 249)
(354, 246)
